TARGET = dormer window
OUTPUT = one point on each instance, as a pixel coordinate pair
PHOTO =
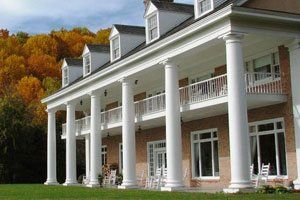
(87, 64)
(65, 76)
(116, 48)
(204, 6)
(152, 28)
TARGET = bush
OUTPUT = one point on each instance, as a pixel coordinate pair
(80, 179)
(119, 179)
(281, 190)
(266, 189)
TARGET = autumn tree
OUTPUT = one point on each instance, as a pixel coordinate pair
(30, 89)
(41, 44)
(12, 70)
(4, 33)
(102, 36)
(43, 65)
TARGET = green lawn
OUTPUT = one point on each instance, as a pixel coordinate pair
(59, 192)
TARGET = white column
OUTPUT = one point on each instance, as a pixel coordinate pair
(87, 157)
(173, 128)
(51, 149)
(71, 174)
(128, 135)
(237, 114)
(96, 139)
(295, 72)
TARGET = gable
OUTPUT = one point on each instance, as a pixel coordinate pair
(290, 6)
(85, 50)
(113, 32)
(150, 9)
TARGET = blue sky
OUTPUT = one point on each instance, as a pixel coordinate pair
(42, 16)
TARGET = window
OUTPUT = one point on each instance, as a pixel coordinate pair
(267, 143)
(87, 64)
(152, 27)
(265, 67)
(157, 156)
(121, 158)
(115, 48)
(200, 78)
(204, 6)
(65, 76)
(104, 155)
(205, 156)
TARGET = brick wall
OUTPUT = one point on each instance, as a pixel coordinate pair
(221, 123)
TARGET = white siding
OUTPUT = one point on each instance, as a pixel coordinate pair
(98, 59)
(129, 42)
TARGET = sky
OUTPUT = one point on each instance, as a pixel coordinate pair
(42, 16)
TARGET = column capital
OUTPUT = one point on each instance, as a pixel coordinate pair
(126, 80)
(95, 92)
(71, 103)
(233, 36)
(168, 63)
(51, 110)
(294, 45)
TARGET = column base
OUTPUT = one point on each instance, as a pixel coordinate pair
(296, 184)
(93, 185)
(71, 183)
(238, 190)
(171, 189)
(51, 183)
(125, 187)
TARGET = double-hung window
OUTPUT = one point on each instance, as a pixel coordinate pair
(152, 27)
(265, 68)
(204, 6)
(87, 64)
(267, 145)
(115, 48)
(205, 156)
(65, 76)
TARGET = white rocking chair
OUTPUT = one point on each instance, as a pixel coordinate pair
(263, 175)
(110, 180)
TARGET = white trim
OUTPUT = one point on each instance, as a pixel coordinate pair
(271, 132)
(199, 141)
(148, 154)
(149, 40)
(112, 49)
(197, 7)
(63, 76)
(84, 62)
(201, 24)
(103, 153)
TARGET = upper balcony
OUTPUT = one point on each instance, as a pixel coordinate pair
(261, 89)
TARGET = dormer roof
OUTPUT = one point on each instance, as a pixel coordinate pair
(173, 7)
(129, 29)
(73, 62)
(100, 48)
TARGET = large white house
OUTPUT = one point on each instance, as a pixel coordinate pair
(207, 89)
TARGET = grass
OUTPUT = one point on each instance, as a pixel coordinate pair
(32, 191)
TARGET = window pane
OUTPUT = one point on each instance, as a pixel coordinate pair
(206, 159)
(268, 152)
(266, 127)
(253, 146)
(204, 5)
(252, 129)
(279, 125)
(263, 64)
(205, 135)
(281, 152)
(216, 158)
(196, 160)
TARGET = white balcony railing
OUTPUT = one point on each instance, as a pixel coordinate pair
(112, 116)
(150, 105)
(263, 83)
(256, 83)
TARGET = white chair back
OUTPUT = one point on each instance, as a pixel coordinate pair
(265, 169)
(251, 170)
(158, 172)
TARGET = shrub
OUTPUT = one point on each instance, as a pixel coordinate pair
(281, 189)
(266, 189)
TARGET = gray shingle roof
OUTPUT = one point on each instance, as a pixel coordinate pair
(129, 29)
(98, 48)
(73, 61)
(174, 7)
